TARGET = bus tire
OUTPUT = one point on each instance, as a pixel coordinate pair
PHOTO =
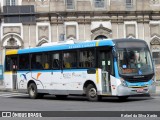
(32, 90)
(91, 93)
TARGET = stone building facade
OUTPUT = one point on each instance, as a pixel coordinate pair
(57, 20)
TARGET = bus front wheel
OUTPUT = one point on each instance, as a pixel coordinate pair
(91, 93)
(32, 90)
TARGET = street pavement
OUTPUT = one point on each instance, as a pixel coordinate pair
(22, 102)
(2, 88)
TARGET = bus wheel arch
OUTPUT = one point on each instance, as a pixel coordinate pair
(86, 84)
(32, 90)
(31, 81)
(90, 91)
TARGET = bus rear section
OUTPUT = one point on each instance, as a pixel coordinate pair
(10, 72)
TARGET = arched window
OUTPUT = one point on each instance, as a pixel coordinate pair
(11, 42)
(100, 37)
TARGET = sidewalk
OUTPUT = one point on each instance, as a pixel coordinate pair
(157, 91)
(2, 88)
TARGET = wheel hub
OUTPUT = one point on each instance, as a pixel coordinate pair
(92, 92)
(32, 91)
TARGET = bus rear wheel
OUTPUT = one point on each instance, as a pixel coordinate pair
(32, 90)
(91, 93)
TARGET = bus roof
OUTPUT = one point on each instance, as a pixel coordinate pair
(70, 45)
(128, 40)
(85, 44)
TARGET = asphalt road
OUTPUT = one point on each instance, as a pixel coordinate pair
(22, 102)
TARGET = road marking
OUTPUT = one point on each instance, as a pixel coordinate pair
(12, 94)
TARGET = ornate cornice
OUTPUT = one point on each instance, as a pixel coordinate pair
(87, 17)
(102, 29)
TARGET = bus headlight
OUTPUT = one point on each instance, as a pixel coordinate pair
(123, 82)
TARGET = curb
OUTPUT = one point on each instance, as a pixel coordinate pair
(156, 94)
(6, 90)
(3, 89)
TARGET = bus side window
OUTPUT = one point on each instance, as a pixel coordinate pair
(86, 58)
(67, 60)
(38, 65)
(70, 59)
(24, 62)
(56, 61)
(46, 60)
(46, 66)
(36, 61)
(56, 64)
(11, 63)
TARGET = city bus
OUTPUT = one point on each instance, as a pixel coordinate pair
(95, 69)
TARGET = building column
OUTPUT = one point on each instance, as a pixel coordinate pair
(115, 30)
(147, 36)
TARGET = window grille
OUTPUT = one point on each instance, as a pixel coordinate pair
(70, 4)
(99, 3)
(10, 2)
(129, 3)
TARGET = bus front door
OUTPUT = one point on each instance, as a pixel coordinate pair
(105, 63)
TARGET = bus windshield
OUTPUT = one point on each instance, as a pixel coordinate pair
(134, 61)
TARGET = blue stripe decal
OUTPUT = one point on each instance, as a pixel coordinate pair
(139, 83)
(116, 69)
(67, 46)
(106, 42)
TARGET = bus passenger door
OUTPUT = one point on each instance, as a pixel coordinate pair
(105, 62)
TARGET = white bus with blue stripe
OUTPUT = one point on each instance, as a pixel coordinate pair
(119, 67)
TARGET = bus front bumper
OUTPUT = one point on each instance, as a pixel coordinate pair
(127, 91)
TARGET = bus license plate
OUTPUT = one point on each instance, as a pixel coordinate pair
(140, 90)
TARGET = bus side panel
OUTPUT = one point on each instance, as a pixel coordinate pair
(56, 82)
(98, 81)
(41, 78)
(74, 80)
(114, 84)
(8, 80)
(22, 78)
(47, 81)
